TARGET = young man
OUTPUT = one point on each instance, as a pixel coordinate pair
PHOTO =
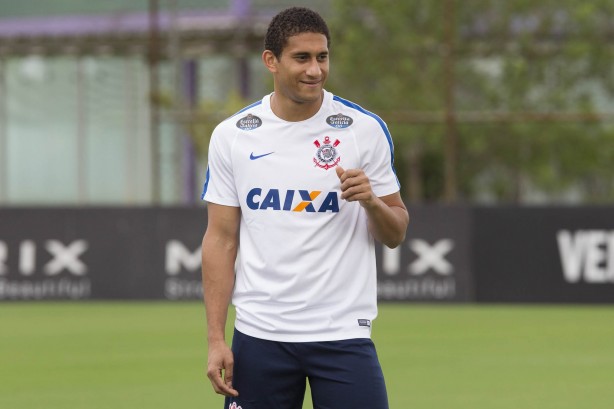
(304, 181)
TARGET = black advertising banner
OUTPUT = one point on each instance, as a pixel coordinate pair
(74, 254)
(434, 263)
(450, 254)
(154, 253)
(179, 236)
(544, 254)
(44, 255)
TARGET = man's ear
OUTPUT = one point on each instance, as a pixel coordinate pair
(269, 60)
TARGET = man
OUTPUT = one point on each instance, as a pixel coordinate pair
(304, 181)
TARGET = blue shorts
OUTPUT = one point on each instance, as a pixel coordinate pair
(273, 375)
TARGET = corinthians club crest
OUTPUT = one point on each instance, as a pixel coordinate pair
(326, 155)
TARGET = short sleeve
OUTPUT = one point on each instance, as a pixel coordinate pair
(219, 184)
(377, 152)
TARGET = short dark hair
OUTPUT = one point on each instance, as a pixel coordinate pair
(290, 22)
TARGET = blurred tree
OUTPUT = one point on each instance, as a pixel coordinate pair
(526, 79)
(207, 115)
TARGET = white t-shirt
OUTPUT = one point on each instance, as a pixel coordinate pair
(306, 267)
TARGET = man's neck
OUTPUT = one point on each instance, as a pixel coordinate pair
(293, 111)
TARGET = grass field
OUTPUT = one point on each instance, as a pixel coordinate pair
(152, 355)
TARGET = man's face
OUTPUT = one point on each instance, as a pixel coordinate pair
(302, 68)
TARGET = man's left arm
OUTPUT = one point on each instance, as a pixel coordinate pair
(388, 216)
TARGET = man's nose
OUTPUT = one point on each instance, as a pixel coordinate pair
(314, 69)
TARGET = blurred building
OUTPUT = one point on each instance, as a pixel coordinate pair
(111, 103)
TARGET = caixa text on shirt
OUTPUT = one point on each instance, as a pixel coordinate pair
(293, 200)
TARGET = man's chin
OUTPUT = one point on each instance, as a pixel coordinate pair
(311, 96)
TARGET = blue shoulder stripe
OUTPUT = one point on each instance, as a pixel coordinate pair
(202, 197)
(380, 121)
(247, 107)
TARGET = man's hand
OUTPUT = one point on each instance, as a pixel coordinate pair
(355, 186)
(388, 217)
(220, 368)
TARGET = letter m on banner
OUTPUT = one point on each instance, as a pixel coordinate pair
(178, 256)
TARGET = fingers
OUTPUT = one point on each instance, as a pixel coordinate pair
(222, 383)
(340, 172)
(355, 185)
(357, 175)
(220, 375)
(228, 380)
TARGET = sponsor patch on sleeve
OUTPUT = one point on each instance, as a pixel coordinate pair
(249, 122)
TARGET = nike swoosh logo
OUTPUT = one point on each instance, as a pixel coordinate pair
(254, 157)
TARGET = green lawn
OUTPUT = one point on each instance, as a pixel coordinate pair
(152, 355)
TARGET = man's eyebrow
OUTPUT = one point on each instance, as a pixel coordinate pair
(302, 53)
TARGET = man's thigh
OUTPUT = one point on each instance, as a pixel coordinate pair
(345, 374)
(266, 374)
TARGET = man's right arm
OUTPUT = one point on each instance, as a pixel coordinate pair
(219, 252)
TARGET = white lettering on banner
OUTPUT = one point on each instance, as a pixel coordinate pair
(423, 288)
(431, 274)
(391, 260)
(587, 255)
(431, 257)
(178, 289)
(177, 255)
(63, 258)
(27, 257)
(26, 282)
(186, 286)
(4, 254)
(66, 257)
(48, 288)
